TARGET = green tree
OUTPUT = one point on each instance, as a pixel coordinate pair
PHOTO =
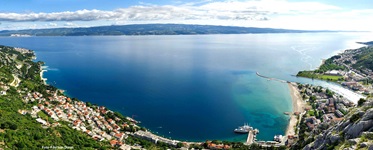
(312, 98)
(361, 101)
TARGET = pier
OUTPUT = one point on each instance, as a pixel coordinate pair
(250, 138)
(269, 78)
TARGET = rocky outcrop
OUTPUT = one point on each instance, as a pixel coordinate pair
(356, 129)
(368, 115)
(354, 132)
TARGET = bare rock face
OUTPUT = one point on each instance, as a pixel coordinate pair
(348, 132)
(353, 141)
(368, 115)
(344, 125)
(356, 129)
(334, 138)
(363, 144)
(361, 113)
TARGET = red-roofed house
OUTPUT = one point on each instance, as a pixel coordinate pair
(119, 136)
(115, 143)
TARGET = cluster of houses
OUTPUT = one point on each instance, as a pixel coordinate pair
(325, 108)
(22, 50)
(81, 117)
(352, 80)
(212, 145)
(92, 120)
(87, 119)
(3, 88)
(354, 76)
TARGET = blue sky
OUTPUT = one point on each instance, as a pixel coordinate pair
(290, 14)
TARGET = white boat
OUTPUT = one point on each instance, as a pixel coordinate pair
(243, 129)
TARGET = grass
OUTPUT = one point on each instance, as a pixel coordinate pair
(330, 77)
(42, 115)
(314, 75)
(311, 112)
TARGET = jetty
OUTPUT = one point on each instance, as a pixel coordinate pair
(269, 78)
(250, 137)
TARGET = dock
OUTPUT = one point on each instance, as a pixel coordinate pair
(250, 138)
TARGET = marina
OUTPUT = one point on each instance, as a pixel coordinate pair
(251, 133)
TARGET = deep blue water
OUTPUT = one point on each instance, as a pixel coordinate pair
(189, 87)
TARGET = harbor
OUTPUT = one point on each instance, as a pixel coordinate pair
(278, 140)
(251, 133)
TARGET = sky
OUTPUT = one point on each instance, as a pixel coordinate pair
(352, 15)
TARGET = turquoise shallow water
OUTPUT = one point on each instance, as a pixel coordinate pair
(191, 88)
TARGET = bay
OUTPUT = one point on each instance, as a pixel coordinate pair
(188, 87)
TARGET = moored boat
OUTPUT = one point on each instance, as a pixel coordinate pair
(243, 129)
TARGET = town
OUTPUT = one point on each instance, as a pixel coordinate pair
(355, 79)
(345, 69)
(96, 121)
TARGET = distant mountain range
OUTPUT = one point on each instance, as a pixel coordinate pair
(148, 29)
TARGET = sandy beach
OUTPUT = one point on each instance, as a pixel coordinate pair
(42, 73)
(298, 106)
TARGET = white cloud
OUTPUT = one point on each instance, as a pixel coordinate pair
(69, 24)
(227, 10)
(51, 24)
(260, 13)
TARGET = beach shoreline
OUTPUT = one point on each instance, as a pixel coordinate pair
(43, 69)
(298, 106)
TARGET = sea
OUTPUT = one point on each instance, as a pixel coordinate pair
(189, 87)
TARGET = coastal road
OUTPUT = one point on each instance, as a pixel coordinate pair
(15, 81)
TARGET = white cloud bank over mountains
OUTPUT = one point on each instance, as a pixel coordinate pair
(259, 13)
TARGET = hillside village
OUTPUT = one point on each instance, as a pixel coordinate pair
(50, 108)
(325, 109)
(330, 110)
(346, 69)
(96, 121)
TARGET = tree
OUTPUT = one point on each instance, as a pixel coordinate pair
(312, 98)
(354, 117)
(304, 96)
(329, 93)
(361, 101)
(179, 145)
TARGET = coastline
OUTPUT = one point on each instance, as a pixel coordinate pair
(43, 69)
(298, 106)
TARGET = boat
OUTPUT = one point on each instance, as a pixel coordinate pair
(243, 129)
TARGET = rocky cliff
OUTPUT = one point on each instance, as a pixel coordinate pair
(354, 132)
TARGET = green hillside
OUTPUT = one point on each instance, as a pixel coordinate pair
(18, 131)
(364, 59)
